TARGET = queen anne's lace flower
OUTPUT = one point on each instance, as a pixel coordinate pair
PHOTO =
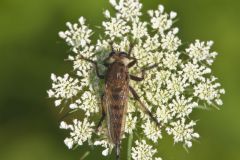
(163, 114)
(79, 132)
(139, 29)
(176, 84)
(105, 144)
(143, 151)
(151, 131)
(63, 88)
(170, 41)
(182, 132)
(209, 91)
(116, 27)
(193, 71)
(160, 20)
(77, 35)
(181, 81)
(130, 123)
(88, 103)
(171, 61)
(128, 10)
(181, 107)
(200, 51)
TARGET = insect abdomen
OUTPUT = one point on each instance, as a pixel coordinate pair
(116, 114)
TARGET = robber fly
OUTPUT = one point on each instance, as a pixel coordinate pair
(116, 93)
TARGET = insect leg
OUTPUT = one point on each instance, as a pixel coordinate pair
(130, 49)
(111, 45)
(95, 64)
(131, 64)
(103, 115)
(135, 78)
(150, 67)
(143, 107)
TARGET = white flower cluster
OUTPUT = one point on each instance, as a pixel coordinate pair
(181, 82)
(183, 132)
(79, 132)
(161, 20)
(209, 91)
(63, 88)
(181, 106)
(143, 151)
(105, 144)
(200, 51)
(151, 131)
(77, 36)
(129, 10)
(88, 103)
(130, 123)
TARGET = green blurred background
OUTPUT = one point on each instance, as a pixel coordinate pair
(30, 50)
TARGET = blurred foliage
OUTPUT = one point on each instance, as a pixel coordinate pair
(30, 50)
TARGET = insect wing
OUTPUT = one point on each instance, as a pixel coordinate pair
(115, 101)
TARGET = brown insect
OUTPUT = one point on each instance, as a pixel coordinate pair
(116, 93)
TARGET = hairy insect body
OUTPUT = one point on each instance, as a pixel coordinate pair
(116, 93)
(115, 100)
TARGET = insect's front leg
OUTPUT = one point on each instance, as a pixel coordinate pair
(131, 48)
(103, 114)
(135, 78)
(95, 64)
(111, 45)
(143, 107)
(131, 64)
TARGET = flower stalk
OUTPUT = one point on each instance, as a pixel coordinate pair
(85, 155)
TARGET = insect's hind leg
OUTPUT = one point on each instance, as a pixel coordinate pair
(103, 115)
(143, 107)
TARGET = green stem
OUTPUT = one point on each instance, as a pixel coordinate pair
(130, 139)
(85, 155)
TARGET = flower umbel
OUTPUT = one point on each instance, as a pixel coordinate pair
(63, 88)
(80, 132)
(143, 151)
(181, 81)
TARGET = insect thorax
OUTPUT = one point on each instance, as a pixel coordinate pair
(117, 74)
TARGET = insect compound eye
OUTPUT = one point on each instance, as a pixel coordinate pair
(123, 54)
(111, 54)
